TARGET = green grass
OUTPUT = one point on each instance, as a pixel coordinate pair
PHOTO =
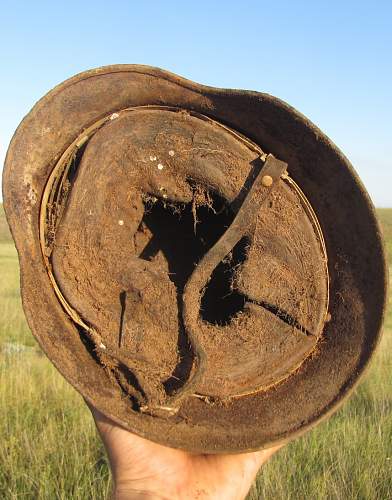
(5, 235)
(384, 215)
(48, 445)
(49, 448)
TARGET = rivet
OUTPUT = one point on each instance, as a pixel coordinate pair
(267, 181)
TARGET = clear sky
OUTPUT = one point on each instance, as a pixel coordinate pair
(332, 60)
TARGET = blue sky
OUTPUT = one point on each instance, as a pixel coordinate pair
(330, 60)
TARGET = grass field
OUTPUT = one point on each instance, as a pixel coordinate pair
(49, 449)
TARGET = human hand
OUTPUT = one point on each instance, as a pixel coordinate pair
(142, 469)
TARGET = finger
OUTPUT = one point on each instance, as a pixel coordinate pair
(249, 463)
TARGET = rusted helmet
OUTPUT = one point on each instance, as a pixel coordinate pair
(202, 265)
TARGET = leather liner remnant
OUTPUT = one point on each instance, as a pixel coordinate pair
(272, 172)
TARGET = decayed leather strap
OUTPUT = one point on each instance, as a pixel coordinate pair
(242, 225)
